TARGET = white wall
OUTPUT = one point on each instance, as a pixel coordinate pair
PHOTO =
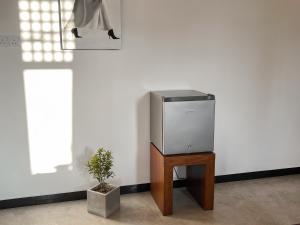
(246, 52)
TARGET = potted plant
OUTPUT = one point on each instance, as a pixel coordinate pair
(103, 199)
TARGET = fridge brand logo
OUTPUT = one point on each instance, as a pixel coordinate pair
(189, 146)
(190, 111)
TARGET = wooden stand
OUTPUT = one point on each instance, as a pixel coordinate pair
(200, 178)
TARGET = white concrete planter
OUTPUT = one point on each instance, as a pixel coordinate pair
(103, 204)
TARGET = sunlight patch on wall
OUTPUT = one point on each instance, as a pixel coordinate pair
(48, 95)
(40, 31)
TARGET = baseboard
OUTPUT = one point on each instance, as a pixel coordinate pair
(44, 199)
(257, 175)
(128, 189)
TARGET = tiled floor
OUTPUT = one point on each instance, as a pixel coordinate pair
(262, 202)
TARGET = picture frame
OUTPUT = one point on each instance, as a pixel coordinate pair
(90, 24)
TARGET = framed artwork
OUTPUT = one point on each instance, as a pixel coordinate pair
(90, 24)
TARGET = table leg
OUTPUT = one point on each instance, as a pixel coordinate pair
(161, 178)
(168, 190)
(200, 183)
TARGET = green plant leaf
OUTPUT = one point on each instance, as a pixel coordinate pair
(100, 164)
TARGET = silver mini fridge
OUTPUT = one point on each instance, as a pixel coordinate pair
(182, 121)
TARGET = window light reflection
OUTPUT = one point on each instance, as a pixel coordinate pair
(39, 22)
(48, 95)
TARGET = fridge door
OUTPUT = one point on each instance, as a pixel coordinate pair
(188, 126)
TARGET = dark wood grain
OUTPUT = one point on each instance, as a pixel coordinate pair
(200, 184)
(157, 177)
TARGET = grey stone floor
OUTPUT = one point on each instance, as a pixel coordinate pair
(262, 202)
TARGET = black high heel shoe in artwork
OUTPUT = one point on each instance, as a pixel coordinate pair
(75, 33)
(111, 34)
